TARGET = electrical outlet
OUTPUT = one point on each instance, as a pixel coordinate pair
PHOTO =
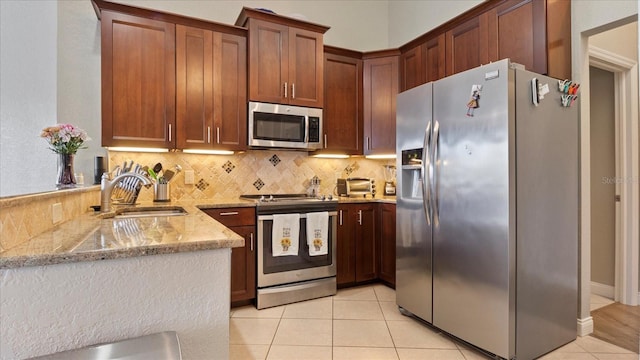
(189, 177)
(56, 213)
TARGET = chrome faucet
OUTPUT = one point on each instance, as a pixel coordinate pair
(107, 186)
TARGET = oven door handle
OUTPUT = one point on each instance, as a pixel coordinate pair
(302, 216)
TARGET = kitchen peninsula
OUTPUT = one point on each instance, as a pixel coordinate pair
(96, 279)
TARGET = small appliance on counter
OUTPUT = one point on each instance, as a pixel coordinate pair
(389, 180)
(353, 187)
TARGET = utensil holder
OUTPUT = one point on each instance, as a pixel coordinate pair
(161, 192)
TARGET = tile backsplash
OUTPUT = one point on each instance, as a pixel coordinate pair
(253, 172)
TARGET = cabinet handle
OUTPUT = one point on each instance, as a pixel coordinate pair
(293, 91)
(208, 134)
(340, 217)
(285, 89)
(229, 213)
(169, 132)
(368, 143)
(217, 135)
(360, 217)
(251, 237)
(325, 141)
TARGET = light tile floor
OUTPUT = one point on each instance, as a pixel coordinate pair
(364, 323)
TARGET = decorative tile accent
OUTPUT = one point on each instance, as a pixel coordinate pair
(274, 160)
(228, 166)
(258, 184)
(351, 168)
(202, 185)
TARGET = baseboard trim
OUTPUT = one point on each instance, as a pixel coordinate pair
(607, 291)
(585, 326)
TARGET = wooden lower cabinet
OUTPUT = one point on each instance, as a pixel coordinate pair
(242, 221)
(356, 248)
(387, 236)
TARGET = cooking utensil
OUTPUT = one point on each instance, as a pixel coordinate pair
(157, 168)
(167, 175)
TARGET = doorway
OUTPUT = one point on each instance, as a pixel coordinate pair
(613, 64)
(604, 175)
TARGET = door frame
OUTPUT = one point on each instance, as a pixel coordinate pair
(627, 180)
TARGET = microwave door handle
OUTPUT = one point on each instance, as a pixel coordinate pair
(306, 129)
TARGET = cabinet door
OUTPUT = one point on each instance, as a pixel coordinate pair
(467, 45)
(346, 246)
(243, 259)
(435, 65)
(387, 270)
(342, 104)
(230, 91)
(194, 87)
(366, 254)
(306, 75)
(138, 81)
(243, 266)
(380, 91)
(520, 29)
(412, 68)
(268, 61)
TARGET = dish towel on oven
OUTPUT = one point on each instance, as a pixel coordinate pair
(285, 234)
(317, 229)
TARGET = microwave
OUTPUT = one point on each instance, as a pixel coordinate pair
(284, 126)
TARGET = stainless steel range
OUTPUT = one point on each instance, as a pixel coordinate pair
(285, 278)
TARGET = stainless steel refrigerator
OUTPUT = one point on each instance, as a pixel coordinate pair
(487, 209)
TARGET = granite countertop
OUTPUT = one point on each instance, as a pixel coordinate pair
(100, 236)
(95, 236)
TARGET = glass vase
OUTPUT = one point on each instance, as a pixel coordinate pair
(66, 177)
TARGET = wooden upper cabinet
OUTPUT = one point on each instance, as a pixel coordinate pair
(211, 89)
(520, 29)
(342, 112)
(268, 61)
(138, 81)
(412, 69)
(434, 58)
(285, 59)
(467, 45)
(306, 74)
(380, 88)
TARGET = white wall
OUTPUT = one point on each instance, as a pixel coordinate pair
(356, 24)
(79, 82)
(28, 62)
(49, 309)
(409, 19)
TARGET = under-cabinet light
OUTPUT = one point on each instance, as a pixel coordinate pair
(207, 152)
(330, 156)
(138, 149)
(381, 156)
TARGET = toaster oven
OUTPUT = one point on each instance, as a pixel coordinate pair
(355, 187)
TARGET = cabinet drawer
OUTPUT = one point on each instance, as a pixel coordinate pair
(233, 216)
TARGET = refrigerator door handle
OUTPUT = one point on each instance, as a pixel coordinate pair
(425, 174)
(436, 173)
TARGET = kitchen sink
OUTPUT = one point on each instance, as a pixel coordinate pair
(150, 211)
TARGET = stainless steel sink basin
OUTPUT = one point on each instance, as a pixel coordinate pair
(146, 212)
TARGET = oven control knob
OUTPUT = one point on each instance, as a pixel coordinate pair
(329, 197)
(270, 197)
(323, 198)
